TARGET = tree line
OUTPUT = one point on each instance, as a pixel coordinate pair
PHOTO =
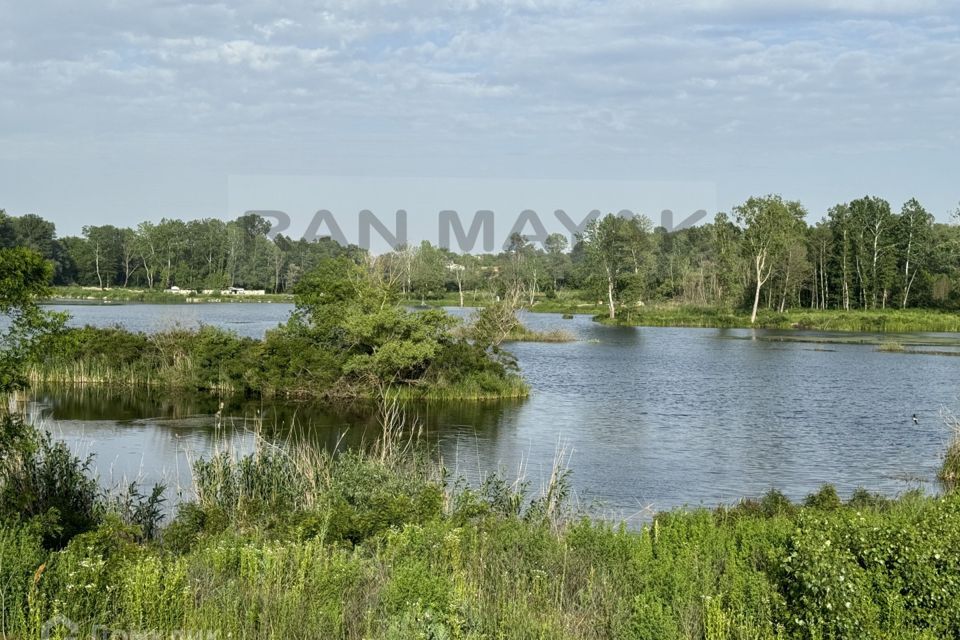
(862, 254)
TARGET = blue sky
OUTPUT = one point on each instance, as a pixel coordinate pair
(121, 111)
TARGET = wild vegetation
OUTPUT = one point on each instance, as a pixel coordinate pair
(382, 543)
(762, 257)
(348, 338)
(879, 321)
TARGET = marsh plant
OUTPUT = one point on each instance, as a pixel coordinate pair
(950, 469)
(287, 540)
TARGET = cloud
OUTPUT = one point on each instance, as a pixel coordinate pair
(427, 85)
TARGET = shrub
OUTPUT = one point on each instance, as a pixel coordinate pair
(826, 499)
(42, 481)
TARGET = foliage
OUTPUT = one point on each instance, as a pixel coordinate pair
(24, 277)
(42, 482)
(348, 338)
(949, 473)
(385, 546)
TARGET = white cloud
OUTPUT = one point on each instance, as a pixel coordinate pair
(624, 81)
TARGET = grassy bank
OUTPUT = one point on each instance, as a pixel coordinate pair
(120, 295)
(652, 315)
(380, 543)
(568, 302)
(887, 321)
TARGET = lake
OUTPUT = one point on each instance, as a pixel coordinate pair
(651, 418)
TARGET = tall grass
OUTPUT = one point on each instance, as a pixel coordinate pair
(879, 321)
(949, 473)
(379, 542)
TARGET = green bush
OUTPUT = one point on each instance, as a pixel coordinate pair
(292, 543)
(42, 481)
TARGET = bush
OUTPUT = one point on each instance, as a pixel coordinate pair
(41, 481)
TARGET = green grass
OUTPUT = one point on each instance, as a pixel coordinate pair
(890, 347)
(525, 334)
(949, 474)
(570, 302)
(888, 321)
(291, 542)
(132, 295)
(567, 301)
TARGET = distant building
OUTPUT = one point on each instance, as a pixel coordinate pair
(240, 291)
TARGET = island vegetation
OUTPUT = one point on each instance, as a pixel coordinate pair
(348, 338)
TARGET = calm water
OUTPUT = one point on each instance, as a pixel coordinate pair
(653, 417)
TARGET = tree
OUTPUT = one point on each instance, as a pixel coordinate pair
(106, 244)
(147, 240)
(874, 260)
(607, 255)
(768, 222)
(24, 278)
(8, 233)
(840, 224)
(33, 232)
(725, 237)
(428, 272)
(914, 231)
(456, 271)
(557, 258)
(521, 269)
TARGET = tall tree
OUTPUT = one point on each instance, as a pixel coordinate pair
(726, 250)
(24, 279)
(605, 242)
(875, 264)
(105, 245)
(769, 223)
(914, 233)
(8, 233)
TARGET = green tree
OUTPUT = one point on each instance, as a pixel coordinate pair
(726, 251)
(914, 235)
(557, 259)
(24, 278)
(607, 255)
(428, 272)
(875, 261)
(769, 223)
(105, 249)
(8, 233)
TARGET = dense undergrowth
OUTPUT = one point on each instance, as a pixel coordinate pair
(381, 543)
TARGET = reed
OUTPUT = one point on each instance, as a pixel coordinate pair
(525, 334)
(949, 473)
(876, 321)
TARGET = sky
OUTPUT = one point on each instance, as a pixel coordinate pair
(120, 111)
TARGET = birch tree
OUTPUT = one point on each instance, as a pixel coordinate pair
(605, 243)
(914, 231)
(768, 222)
